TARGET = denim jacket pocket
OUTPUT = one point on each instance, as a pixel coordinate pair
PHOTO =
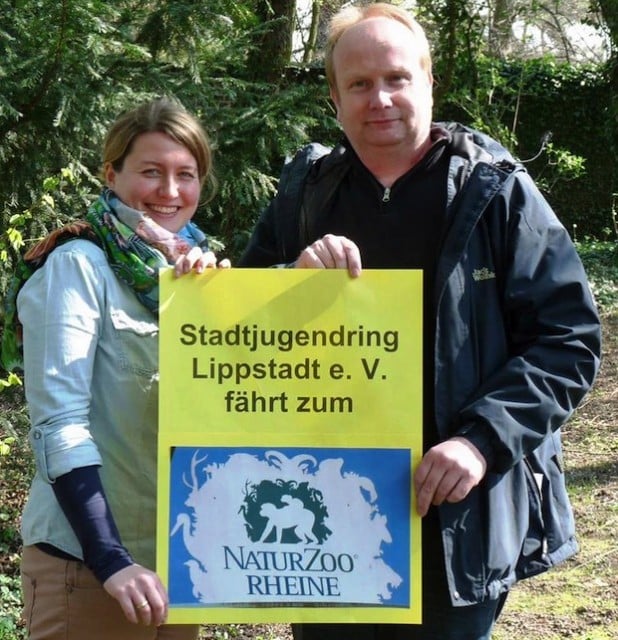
(137, 342)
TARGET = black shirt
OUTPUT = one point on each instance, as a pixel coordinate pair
(398, 228)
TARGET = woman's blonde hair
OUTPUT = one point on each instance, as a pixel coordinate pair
(350, 16)
(162, 115)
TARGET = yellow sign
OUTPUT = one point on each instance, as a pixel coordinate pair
(290, 424)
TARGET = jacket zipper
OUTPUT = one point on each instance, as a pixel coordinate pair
(386, 196)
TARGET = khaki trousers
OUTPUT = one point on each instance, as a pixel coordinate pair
(64, 601)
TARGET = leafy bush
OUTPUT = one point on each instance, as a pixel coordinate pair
(10, 608)
(600, 259)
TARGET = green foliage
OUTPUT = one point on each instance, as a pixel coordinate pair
(11, 243)
(13, 427)
(600, 258)
(69, 68)
(10, 608)
(9, 381)
(8, 435)
(57, 198)
(5, 445)
(571, 102)
(521, 102)
(560, 165)
(256, 127)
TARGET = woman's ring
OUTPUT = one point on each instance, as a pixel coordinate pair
(141, 605)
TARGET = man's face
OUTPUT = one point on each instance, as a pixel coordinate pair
(382, 94)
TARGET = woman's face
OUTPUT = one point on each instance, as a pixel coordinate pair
(159, 177)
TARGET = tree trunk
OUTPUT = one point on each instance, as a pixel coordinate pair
(273, 47)
(312, 39)
(500, 32)
(609, 11)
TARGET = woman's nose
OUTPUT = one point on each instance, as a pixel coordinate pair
(169, 187)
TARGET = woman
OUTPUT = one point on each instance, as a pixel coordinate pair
(89, 316)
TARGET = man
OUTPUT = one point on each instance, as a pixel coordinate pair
(512, 337)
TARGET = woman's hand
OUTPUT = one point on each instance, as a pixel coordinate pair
(197, 261)
(140, 593)
(331, 252)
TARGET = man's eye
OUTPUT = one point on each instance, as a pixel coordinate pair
(359, 84)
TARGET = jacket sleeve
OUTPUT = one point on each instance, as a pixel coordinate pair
(60, 307)
(272, 240)
(263, 247)
(276, 238)
(551, 331)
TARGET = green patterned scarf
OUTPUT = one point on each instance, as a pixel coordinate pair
(135, 246)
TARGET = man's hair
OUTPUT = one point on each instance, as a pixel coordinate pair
(351, 15)
(162, 115)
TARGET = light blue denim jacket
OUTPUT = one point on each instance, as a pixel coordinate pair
(91, 382)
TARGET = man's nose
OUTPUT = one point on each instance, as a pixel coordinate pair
(381, 98)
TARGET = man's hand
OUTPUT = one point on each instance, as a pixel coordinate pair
(448, 472)
(197, 261)
(331, 252)
(140, 593)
